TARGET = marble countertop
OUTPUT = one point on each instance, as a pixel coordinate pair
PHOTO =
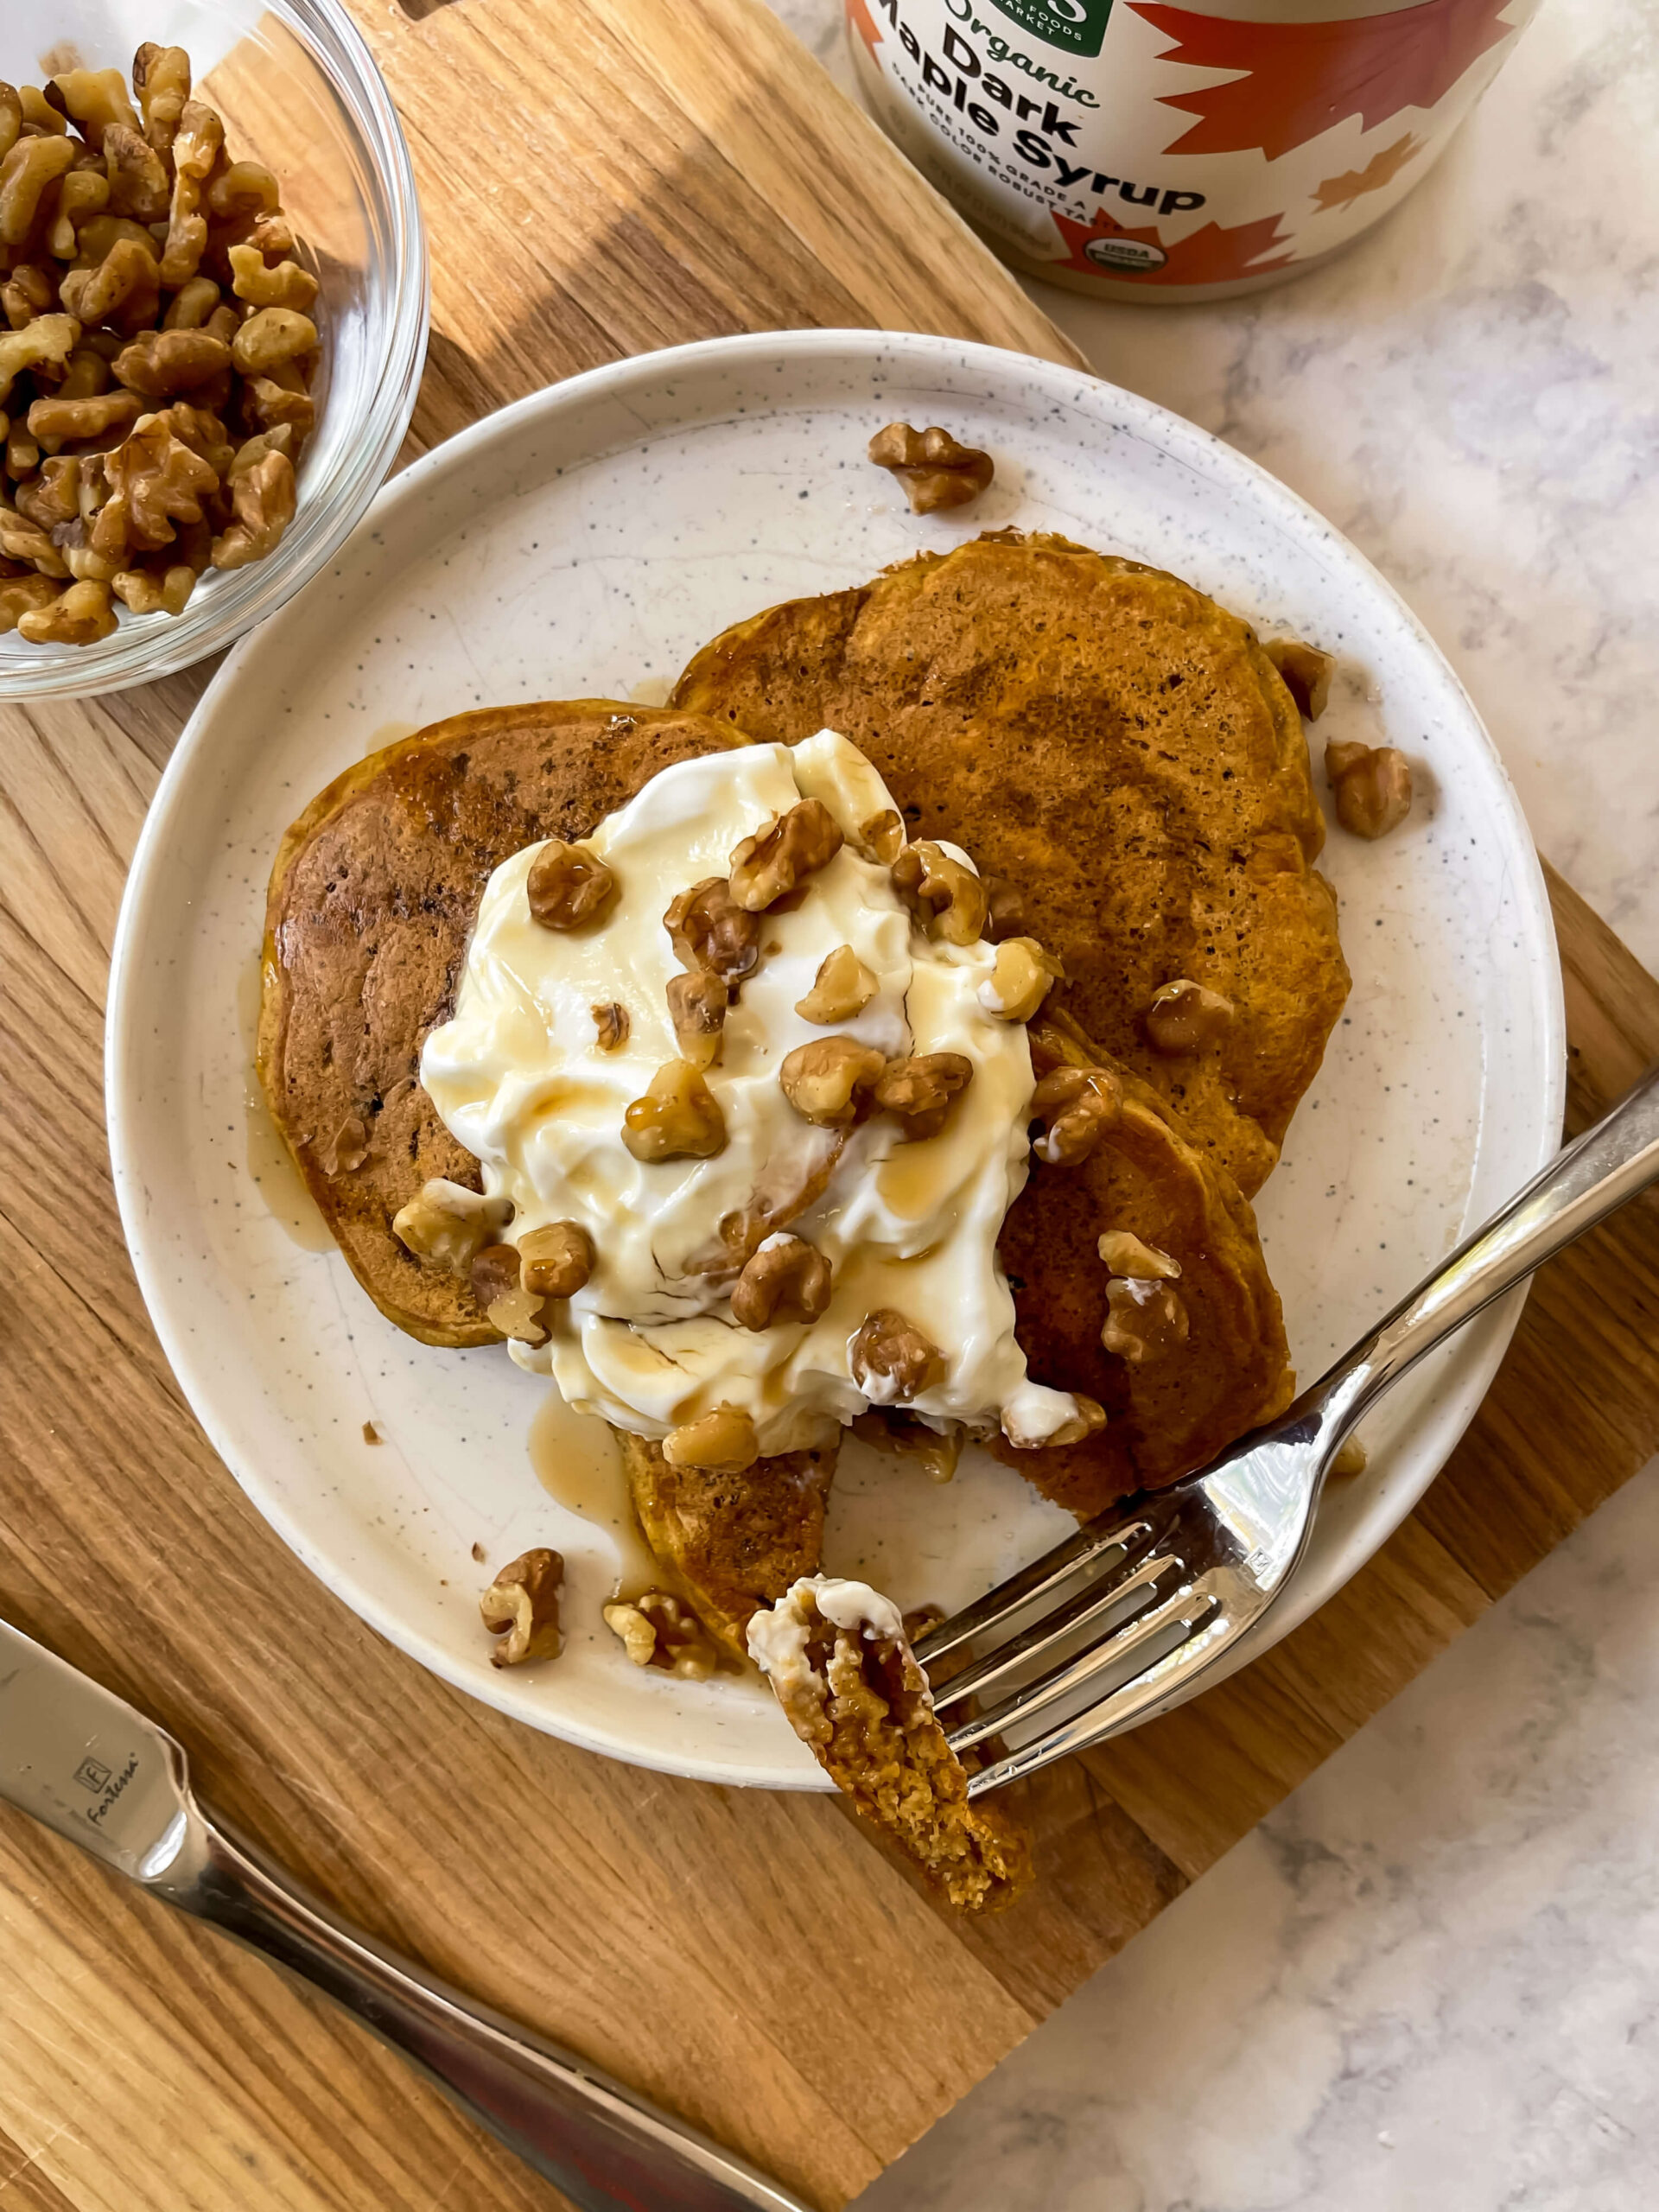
(1431, 1979)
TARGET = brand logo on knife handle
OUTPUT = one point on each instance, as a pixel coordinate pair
(92, 1775)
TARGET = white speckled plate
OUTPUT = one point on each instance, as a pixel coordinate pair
(585, 541)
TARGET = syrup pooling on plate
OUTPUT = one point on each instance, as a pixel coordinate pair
(518, 1077)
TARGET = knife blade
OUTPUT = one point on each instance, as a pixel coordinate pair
(89, 1765)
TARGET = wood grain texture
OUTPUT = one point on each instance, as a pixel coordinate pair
(660, 171)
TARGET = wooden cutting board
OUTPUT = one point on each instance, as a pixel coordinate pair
(600, 178)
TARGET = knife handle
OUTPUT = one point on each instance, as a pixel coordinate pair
(600, 2142)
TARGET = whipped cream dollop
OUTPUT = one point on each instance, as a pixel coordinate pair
(518, 1077)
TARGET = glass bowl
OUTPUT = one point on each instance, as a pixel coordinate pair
(298, 91)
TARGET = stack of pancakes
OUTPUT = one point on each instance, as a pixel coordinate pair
(1113, 746)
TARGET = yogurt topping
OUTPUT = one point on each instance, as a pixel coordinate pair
(779, 1634)
(650, 1342)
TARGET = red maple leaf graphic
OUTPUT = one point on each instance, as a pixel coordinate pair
(1302, 78)
(859, 15)
(1382, 170)
(1210, 255)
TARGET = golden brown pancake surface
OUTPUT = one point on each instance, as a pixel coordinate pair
(1120, 750)
(1171, 1412)
(729, 1543)
(373, 896)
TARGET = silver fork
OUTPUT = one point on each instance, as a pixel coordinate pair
(1113, 1623)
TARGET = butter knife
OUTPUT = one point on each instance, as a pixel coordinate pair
(92, 1768)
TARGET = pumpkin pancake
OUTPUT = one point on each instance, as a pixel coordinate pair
(372, 898)
(1220, 1363)
(730, 1543)
(1117, 748)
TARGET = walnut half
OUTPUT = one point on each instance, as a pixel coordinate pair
(769, 865)
(521, 1607)
(568, 885)
(1077, 1105)
(920, 1092)
(891, 1359)
(947, 898)
(935, 469)
(785, 1280)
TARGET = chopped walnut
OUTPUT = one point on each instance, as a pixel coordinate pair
(29, 170)
(105, 213)
(678, 1118)
(722, 1442)
(1185, 1017)
(94, 100)
(138, 183)
(1372, 784)
(612, 1023)
(521, 1607)
(1125, 1255)
(785, 1280)
(347, 1150)
(920, 1092)
(154, 591)
(123, 289)
(881, 837)
(1076, 1106)
(658, 1630)
(568, 885)
(555, 1261)
(508, 1304)
(446, 1224)
(46, 343)
(1306, 672)
(21, 595)
(1089, 1416)
(943, 893)
(843, 987)
(264, 499)
(1020, 980)
(160, 364)
(709, 930)
(157, 482)
(161, 83)
(822, 1080)
(935, 471)
(776, 859)
(696, 1006)
(287, 285)
(891, 1361)
(1144, 1319)
(55, 422)
(79, 616)
(271, 338)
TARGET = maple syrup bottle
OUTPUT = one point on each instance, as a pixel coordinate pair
(1146, 150)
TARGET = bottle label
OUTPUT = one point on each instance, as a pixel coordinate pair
(1145, 144)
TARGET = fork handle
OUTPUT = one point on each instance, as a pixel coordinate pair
(1590, 1179)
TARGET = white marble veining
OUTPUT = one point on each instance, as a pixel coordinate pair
(1430, 1982)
